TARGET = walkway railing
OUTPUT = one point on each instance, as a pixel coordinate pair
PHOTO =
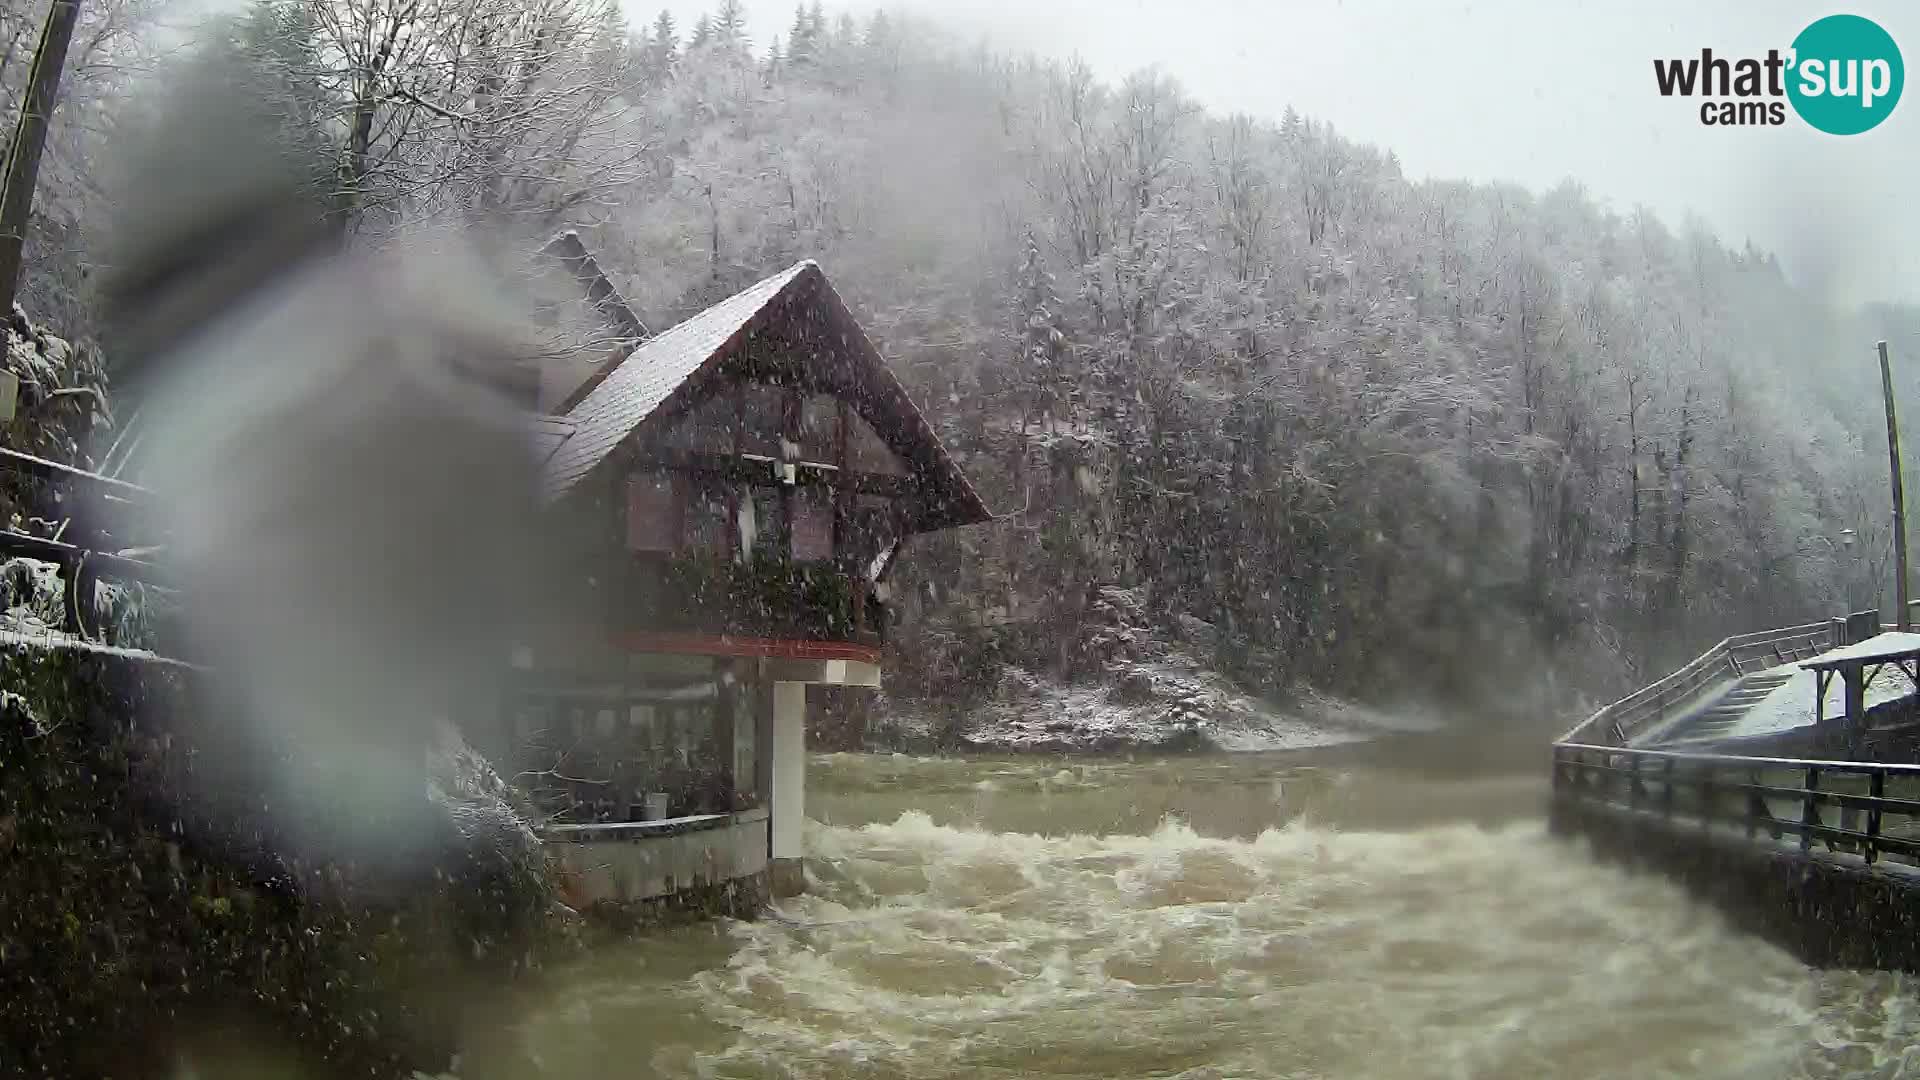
(1860, 808)
(1651, 706)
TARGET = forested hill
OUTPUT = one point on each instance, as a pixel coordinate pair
(1234, 382)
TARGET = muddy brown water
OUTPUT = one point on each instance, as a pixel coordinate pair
(1359, 912)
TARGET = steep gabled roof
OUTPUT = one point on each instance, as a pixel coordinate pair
(637, 383)
(640, 383)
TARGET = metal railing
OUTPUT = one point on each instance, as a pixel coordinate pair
(1862, 808)
(1619, 723)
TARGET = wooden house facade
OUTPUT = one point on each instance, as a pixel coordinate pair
(732, 495)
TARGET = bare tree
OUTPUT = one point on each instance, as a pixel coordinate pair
(497, 110)
(29, 140)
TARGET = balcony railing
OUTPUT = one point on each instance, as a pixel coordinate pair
(699, 593)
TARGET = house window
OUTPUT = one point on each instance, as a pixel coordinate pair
(762, 521)
(812, 524)
(706, 516)
(820, 428)
(653, 513)
(765, 419)
(687, 725)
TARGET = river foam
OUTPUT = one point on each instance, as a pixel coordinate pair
(1452, 949)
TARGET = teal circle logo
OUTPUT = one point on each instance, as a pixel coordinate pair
(1846, 75)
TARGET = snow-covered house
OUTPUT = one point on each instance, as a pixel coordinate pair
(733, 493)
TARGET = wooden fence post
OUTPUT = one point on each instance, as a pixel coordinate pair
(1810, 813)
(1877, 787)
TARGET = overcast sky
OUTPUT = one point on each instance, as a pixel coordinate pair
(1532, 91)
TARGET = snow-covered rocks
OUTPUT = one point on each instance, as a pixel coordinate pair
(1166, 706)
(61, 393)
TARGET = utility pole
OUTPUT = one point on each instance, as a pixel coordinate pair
(29, 139)
(1899, 498)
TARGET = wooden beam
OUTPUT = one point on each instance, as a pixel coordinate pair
(103, 563)
(731, 645)
(842, 494)
(733, 490)
(82, 480)
(567, 250)
(754, 472)
(790, 405)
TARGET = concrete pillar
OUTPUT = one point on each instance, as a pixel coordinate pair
(789, 805)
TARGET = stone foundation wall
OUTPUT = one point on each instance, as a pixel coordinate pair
(623, 865)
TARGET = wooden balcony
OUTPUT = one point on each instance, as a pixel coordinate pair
(702, 594)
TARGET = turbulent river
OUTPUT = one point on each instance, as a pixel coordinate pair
(1244, 916)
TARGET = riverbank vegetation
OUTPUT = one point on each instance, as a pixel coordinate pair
(148, 919)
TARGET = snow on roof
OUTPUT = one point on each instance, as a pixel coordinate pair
(1790, 705)
(633, 386)
(628, 394)
(1878, 647)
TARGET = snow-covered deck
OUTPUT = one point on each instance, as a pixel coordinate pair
(1886, 647)
(1790, 704)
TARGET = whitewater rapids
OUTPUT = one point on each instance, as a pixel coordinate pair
(1205, 918)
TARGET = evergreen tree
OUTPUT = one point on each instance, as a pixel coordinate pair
(801, 40)
(879, 31)
(665, 47)
(1055, 459)
(730, 25)
(702, 33)
(1045, 345)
